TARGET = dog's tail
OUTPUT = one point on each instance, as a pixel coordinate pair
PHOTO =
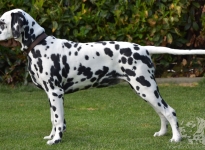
(166, 50)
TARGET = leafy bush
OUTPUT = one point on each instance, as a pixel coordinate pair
(148, 22)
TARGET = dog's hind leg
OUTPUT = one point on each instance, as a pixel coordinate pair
(57, 115)
(147, 89)
(164, 124)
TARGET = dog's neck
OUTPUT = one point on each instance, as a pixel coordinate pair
(35, 42)
(30, 31)
(29, 43)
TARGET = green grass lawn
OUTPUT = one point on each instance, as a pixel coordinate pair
(112, 118)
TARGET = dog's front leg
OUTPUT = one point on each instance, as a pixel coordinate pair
(57, 115)
(51, 135)
(53, 125)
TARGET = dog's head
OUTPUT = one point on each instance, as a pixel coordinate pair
(19, 25)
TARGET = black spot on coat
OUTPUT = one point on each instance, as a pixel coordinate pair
(97, 53)
(143, 81)
(54, 108)
(86, 71)
(33, 23)
(123, 69)
(93, 79)
(102, 73)
(108, 52)
(86, 57)
(156, 94)
(117, 46)
(45, 85)
(136, 47)
(164, 103)
(124, 60)
(130, 72)
(146, 60)
(67, 85)
(54, 94)
(66, 67)
(36, 54)
(51, 84)
(40, 65)
(68, 45)
(79, 48)
(147, 52)
(126, 51)
(76, 45)
(60, 135)
(130, 60)
(55, 68)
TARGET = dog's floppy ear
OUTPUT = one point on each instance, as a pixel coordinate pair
(17, 21)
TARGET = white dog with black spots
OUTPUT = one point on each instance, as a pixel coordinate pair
(59, 66)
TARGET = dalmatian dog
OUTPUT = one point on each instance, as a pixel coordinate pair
(59, 66)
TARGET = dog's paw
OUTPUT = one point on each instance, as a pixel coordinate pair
(51, 142)
(160, 133)
(176, 139)
(48, 137)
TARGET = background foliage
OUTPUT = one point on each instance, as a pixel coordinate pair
(177, 24)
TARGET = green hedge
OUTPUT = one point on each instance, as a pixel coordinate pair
(146, 22)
